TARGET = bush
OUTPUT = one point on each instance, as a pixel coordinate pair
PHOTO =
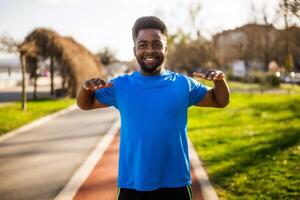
(263, 78)
(273, 80)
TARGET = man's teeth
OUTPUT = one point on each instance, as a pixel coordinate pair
(149, 59)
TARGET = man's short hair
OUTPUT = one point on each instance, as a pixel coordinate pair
(148, 22)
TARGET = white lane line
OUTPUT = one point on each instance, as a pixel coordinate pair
(69, 191)
(207, 189)
(36, 123)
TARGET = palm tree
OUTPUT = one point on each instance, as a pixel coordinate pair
(77, 63)
(71, 56)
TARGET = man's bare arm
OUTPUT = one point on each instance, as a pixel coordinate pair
(86, 99)
(218, 96)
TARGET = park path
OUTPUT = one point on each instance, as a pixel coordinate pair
(38, 162)
(13, 93)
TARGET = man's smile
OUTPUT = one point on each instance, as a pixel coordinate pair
(150, 60)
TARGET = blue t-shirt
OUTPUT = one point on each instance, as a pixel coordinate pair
(153, 136)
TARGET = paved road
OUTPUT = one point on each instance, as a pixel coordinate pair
(36, 164)
(14, 93)
(10, 96)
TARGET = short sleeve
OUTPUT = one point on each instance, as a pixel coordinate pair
(197, 91)
(107, 95)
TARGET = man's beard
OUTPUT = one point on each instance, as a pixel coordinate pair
(150, 68)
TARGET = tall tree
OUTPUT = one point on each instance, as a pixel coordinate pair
(10, 45)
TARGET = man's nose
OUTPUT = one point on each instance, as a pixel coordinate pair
(149, 49)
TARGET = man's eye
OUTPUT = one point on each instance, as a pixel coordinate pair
(157, 46)
(142, 46)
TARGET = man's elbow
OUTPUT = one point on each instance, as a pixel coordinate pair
(82, 106)
(223, 104)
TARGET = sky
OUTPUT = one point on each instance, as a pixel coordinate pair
(100, 23)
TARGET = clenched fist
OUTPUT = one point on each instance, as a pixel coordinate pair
(211, 75)
(95, 84)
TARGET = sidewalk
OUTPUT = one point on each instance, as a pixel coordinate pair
(38, 159)
(102, 181)
(12, 93)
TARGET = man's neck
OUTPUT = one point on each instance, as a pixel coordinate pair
(155, 73)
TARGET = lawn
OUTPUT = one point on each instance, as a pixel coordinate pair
(11, 116)
(256, 88)
(250, 149)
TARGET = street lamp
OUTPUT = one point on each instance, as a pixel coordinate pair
(292, 74)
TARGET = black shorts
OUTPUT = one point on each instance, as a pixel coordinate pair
(179, 193)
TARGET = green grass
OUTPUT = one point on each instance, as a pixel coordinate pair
(290, 87)
(12, 117)
(251, 149)
(256, 88)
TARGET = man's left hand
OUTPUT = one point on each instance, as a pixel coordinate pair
(210, 75)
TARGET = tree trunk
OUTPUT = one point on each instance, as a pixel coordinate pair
(52, 76)
(286, 25)
(63, 84)
(35, 85)
(24, 96)
(289, 55)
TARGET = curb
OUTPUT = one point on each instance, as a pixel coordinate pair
(36, 123)
(207, 189)
(5, 103)
(75, 182)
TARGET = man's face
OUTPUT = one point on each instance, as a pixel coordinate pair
(150, 49)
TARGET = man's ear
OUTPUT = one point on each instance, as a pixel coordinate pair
(166, 49)
(134, 51)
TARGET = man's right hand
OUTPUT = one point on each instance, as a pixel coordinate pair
(95, 84)
(86, 98)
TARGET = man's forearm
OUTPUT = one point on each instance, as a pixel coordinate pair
(84, 98)
(221, 92)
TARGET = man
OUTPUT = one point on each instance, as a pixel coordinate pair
(153, 103)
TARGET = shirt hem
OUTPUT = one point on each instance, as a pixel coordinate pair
(155, 187)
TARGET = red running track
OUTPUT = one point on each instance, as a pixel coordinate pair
(101, 184)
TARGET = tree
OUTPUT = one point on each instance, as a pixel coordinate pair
(262, 38)
(65, 51)
(289, 9)
(189, 51)
(10, 45)
(32, 65)
(107, 55)
(194, 9)
(265, 43)
(187, 54)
